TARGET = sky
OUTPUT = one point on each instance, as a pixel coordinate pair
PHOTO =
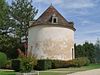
(84, 13)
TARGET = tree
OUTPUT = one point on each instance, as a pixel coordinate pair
(79, 52)
(14, 22)
(22, 12)
(3, 16)
(86, 50)
(6, 42)
(89, 49)
(3, 12)
(97, 47)
(9, 45)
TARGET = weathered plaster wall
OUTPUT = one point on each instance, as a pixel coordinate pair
(51, 42)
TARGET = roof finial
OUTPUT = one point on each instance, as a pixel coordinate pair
(51, 4)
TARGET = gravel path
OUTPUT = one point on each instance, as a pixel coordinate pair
(89, 72)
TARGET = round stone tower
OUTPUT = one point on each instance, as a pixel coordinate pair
(51, 36)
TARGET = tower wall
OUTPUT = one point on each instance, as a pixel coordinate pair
(52, 42)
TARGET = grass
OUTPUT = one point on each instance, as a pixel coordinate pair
(7, 73)
(64, 71)
(60, 71)
(92, 66)
(50, 73)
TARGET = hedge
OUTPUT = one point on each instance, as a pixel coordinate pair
(3, 59)
(43, 64)
(16, 65)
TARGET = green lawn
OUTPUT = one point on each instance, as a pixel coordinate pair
(50, 73)
(64, 71)
(61, 71)
(7, 73)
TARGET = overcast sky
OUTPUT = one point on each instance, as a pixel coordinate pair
(84, 13)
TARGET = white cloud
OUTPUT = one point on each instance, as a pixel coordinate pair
(77, 4)
(89, 27)
(89, 30)
(42, 1)
(55, 2)
(71, 4)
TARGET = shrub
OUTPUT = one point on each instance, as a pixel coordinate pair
(81, 61)
(27, 62)
(59, 64)
(16, 65)
(43, 64)
(8, 64)
(3, 59)
(78, 62)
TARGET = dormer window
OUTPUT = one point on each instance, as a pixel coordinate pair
(54, 19)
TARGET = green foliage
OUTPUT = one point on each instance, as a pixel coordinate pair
(78, 62)
(22, 12)
(81, 61)
(3, 13)
(8, 64)
(97, 47)
(79, 52)
(16, 65)
(43, 64)
(24, 64)
(14, 22)
(7, 42)
(27, 61)
(89, 51)
(9, 46)
(59, 64)
(5, 22)
(3, 59)
(86, 50)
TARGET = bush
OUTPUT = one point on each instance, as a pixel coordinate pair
(16, 65)
(78, 62)
(59, 64)
(8, 64)
(43, 64)
(3, 59)
(27, 63)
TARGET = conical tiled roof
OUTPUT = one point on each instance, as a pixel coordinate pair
(45, 19)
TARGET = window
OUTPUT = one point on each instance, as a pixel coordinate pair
(54, 20)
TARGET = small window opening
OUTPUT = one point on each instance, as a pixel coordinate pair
(54, 20)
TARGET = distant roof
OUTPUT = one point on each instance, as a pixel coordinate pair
(45, 19)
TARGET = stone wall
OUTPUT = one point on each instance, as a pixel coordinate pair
(51, 42)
